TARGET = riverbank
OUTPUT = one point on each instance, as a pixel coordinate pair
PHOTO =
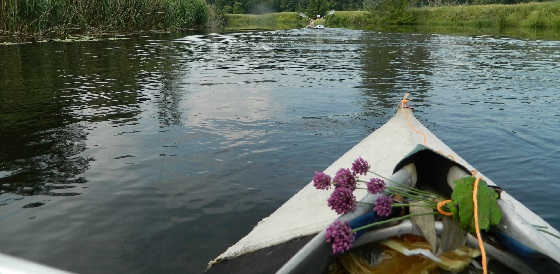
(536, 16)
(542, 15)
(97, 18)
(268, 21)
(59, 18)
(532, 20)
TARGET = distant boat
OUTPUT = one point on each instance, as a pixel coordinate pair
(292, 239)
(319, 27)
(315, 27)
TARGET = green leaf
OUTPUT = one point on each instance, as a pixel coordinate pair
(462, 202)
(489, 213)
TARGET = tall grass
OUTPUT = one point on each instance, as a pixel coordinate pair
(535, 15)
(348, 19)
(532, 15)
(46, 15)
(268, 21)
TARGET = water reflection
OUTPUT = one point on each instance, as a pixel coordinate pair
(394, 64)
(53, 95)
(41, 146)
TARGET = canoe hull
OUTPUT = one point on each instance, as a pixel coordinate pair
(306, 213)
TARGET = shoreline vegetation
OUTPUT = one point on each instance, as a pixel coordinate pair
(63, 18)
(533, 20)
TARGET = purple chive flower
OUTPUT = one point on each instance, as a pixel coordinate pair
(360, 166)
(342, 200)
(340, 236)
(383, 205)
(376, 185)
(321, 180)
(345, 178)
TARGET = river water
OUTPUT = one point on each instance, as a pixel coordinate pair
(154, 154)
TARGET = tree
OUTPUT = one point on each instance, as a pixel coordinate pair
(315, 7)
(391, 12)
(238, 8)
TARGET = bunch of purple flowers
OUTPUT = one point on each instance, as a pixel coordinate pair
(342, 200)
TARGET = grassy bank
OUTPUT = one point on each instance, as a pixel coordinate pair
(543, 15)
(43, 16)
(269, 21)
(291, 20)
(349, 19)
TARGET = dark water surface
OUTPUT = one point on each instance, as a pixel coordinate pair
(154, 154)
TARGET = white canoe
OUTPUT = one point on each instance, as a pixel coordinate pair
(290, 238)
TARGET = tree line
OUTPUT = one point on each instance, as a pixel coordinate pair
(313, 7)
(310, 7)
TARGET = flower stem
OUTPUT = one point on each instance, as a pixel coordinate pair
(400, 205)
(391, 220)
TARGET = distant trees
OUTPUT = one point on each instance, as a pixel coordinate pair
(238, 8)
(390, 12)
(310, 7)
(315, 7)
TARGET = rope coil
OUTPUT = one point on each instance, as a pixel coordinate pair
(440, 206)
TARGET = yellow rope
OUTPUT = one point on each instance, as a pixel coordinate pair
(478, 236)
(440, 204)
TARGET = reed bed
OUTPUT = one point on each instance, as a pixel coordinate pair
(34, 16)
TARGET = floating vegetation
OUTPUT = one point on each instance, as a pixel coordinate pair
(68, 39)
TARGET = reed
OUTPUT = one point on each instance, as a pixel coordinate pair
(34, 16)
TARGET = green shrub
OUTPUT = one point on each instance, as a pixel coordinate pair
(228, 9)
(348, 19)
(187, 13)
(238, 8)
(269, 21)
(390, 12)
